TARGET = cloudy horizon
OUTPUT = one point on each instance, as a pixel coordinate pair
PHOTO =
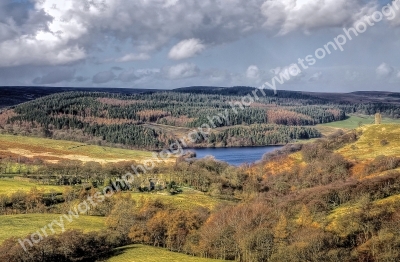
(165, 44)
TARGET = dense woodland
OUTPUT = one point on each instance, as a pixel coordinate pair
(142, 120)
(274, 214)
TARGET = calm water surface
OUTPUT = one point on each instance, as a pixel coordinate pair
(235, 155)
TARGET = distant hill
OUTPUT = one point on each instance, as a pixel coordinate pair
(245, 90)
(359, 97)
(14, 95)
(153, 119)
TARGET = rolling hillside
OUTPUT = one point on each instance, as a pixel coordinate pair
(53, 150)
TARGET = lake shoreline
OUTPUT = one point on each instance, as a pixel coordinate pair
(235, 155)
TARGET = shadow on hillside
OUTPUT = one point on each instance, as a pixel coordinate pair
(116, 252)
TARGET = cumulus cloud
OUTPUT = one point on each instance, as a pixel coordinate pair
(392, 13)
(315, 77)
(285, 16)
(133, 57)
(40, 38)
(184, 70)
(384, 71)
(103, 77)
(186, 48)
(56, 76)
(253, 72)
(61, 32)
(36, 34)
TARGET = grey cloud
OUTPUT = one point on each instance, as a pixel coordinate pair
(103, 77)
(20, 18)
(218, 76)
(132, 75)
(81, 78)
(149, 25)
(75, 29)
(56, 76)
(17, 11)
(128, 76)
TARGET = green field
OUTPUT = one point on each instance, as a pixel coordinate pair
(141, 253)
(187, 200)
(355, 120)
(9, 186)
(369, 145)
(50, 149)
(22, 225)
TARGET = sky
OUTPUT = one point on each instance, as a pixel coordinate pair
(167, 44)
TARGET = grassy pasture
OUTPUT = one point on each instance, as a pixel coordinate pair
(369, 145)
(141, 253)
(49, 149)
(354, 120)
(9, 186)
(187, 200)
(22, 225)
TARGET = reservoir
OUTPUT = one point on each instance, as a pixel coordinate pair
(235, 155)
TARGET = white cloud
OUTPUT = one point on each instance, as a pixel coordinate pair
(184, 70)
(38, 36)
(186, 48)
(61, 32)
(352, 75)
(133, 57)
(384, 71)
(392, 13)
(253, 73)
(42, 38)
(315, 77)
(286, 16)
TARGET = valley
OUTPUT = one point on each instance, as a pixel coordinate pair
(327, 187)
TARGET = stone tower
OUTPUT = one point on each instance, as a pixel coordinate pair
(378, 118)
